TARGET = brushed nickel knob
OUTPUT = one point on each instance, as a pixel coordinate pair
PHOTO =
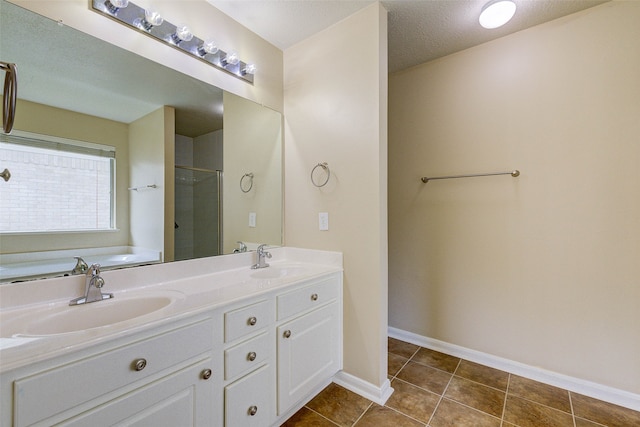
(206, 374)
(314, 297)
(252, 321)
(252, 356)
(139, 364)
(252, 410)
(287, 333)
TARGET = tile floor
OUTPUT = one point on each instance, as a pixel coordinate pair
(434, 389)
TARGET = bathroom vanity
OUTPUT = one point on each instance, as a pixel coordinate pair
(222, 345)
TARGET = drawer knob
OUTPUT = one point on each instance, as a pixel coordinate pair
(206, 374)
(314, 297)
(252, 356)
(252, 321)
(139, 364)
(287, 333)
(253, 410)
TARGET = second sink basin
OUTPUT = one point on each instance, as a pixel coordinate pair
(60, 318)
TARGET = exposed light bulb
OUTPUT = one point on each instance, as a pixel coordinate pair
(232, 58)
(182, 34)
(497, 13)
(250, 69)
(152, 18)
(208, 46)
(113, 6)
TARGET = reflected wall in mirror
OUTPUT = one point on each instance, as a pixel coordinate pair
(178, 163)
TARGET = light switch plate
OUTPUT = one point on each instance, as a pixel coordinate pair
(252, 219)
(323, 221)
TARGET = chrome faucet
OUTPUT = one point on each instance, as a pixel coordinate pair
(93, 287)
(261, 254)
(81, 266)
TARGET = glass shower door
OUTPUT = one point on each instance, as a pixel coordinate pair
(198, 211)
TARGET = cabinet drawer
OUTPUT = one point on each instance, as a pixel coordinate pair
(307, 297)
(246, 356)
(246, 320)
(48, 393)
(251, 401)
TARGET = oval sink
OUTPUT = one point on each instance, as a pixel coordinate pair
(277, 272)
(61, 318)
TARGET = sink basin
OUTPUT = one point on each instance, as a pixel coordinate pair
(60, 318)
(278, 272)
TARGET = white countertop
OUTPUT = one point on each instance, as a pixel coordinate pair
(199, 285)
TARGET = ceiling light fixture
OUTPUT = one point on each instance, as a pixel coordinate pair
(497, 13)
(151, 23)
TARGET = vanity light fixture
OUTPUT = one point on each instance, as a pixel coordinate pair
(497, 13)
(182, 34)
(115, 5)
(209, 46)
(151, 23)
(152, 18)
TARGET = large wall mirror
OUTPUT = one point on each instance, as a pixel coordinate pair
(182, 169)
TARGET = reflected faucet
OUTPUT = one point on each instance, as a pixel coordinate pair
(93, 287)
(242, 247)
(81, 266)
(261, 254)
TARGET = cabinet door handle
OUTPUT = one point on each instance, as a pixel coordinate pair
(252, 356)
(206, 374)
(252, 410)
(287, 333)
(252, 321)
(140, 364)
(314, 297)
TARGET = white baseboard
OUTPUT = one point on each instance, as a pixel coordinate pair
(587, 388)
(378, 395)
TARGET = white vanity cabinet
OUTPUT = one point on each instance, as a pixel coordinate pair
(147, 380)
(309, 335)
(248, 361)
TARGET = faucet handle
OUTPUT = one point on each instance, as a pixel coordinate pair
(94, 270)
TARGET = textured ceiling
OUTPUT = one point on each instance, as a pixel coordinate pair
(419, 30)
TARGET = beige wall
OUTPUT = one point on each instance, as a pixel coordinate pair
(335, 112)
(252, 144)
(204, 20)
(151, 156)
(543, 269)
(47, 120)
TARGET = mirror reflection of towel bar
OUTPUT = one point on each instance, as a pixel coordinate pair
(513, 173)
(143, 187)
(9, 95)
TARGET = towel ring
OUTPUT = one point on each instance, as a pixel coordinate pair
(243, 186)
(324, 166)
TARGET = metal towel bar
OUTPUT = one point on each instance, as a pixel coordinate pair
(513, 173)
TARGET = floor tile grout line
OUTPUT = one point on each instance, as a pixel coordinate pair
(506, 395)
(443, 392)
(406, 415)
(573, 414)
(362, 414)
(328, 419)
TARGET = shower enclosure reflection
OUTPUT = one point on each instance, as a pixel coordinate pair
(198, 210)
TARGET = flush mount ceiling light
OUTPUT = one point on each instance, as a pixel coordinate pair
(151, 23)
(497, 13)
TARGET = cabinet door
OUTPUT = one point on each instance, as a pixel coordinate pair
(250, 402)
(308, 354)
(180, 399)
